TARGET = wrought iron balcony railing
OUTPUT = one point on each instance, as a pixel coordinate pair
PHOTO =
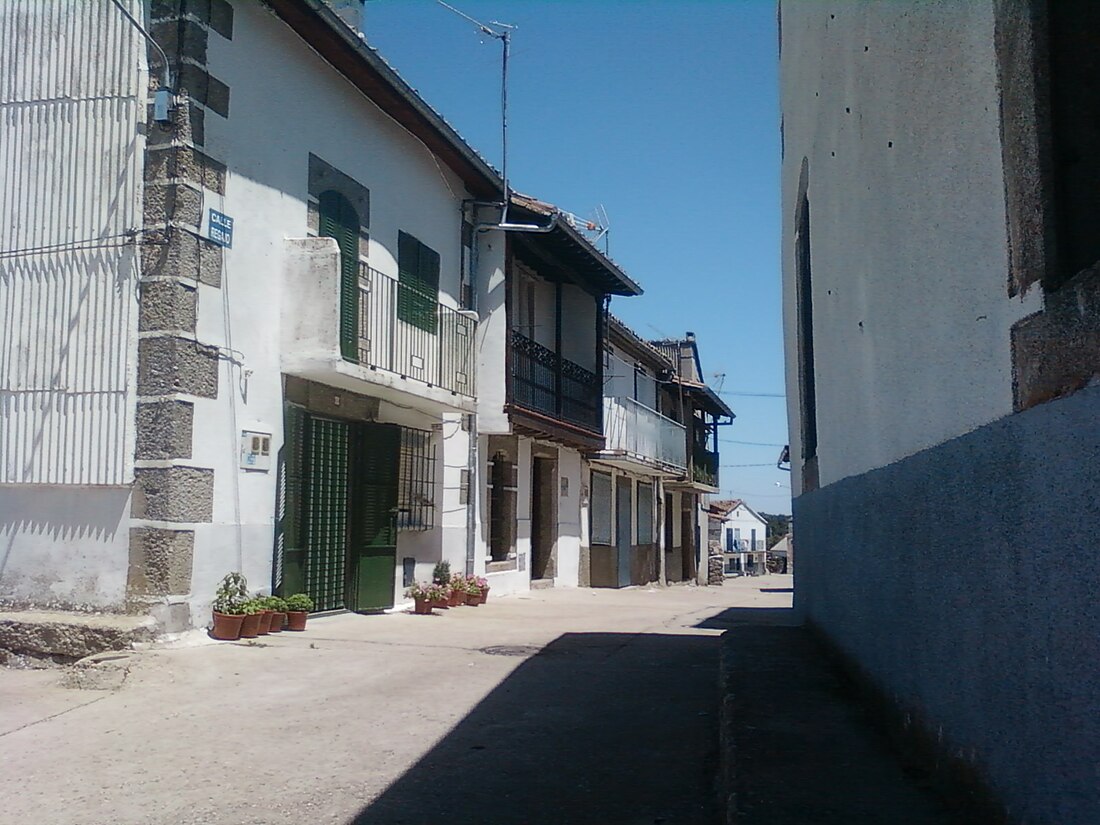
(410, 333)
(543, 381)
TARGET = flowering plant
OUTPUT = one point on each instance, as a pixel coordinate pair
(426, 592)
(473, 585)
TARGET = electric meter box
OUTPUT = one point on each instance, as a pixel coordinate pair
(255, 450)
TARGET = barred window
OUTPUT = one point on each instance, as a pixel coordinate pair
(416, 481)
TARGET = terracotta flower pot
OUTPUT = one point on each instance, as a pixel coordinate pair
(442, 604)
(422, 607)
(250, 627)
(226, 627)
(457, 598)
(277, 622)
(265, 622)
(296, 619)
(473, 599)
(484, 595)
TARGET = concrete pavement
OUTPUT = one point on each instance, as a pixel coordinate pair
(561, 706)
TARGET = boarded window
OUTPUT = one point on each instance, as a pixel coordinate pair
(600, 508)
(645, 513)
(418, 273)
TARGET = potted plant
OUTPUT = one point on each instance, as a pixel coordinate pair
(298, 607)
(483, 588)
(228, 607)
(250, 627)
(441, 574)
(444, 595)
(277, 606)
(458, 590)
(424, 596)
(473, 591)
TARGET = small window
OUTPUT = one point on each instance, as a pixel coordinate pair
(600, 508)
(418, 274)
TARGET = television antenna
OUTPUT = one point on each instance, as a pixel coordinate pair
(502, 32)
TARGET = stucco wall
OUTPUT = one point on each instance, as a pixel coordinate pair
(266, 192)
(890, 121)
(64, 546)
(964, 580)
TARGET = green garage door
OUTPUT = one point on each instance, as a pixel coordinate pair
(326, 512)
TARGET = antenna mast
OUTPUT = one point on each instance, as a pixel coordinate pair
(503, 33)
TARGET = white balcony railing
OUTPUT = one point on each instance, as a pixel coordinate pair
(635, 430)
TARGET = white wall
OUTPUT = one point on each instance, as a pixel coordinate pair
(266, 193)
(69, 332)
(493, 331)
(64, 546)
(911, 314)
(70, 177)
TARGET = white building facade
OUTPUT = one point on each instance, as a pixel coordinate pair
(265, 359)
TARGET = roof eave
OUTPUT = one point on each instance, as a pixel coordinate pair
(338, 45)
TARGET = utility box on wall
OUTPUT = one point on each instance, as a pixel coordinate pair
(255, 450)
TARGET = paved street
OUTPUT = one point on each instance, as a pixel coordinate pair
(561, 706)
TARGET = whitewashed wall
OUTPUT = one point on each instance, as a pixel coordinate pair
(911, 312)
(266, 193)
(70, 101)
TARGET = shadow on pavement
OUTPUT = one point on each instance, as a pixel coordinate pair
(595, 728)
(740, 616)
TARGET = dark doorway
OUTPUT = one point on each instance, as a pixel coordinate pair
(687, 536)
(543, 518)
(622, 528)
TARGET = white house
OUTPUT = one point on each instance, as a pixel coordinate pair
(245, 339)
(687, 399)
(742, 536)
(941, 292)
(540, 399)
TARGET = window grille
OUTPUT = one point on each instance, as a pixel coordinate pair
(416, 485)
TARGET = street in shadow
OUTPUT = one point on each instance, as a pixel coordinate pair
(594, 728)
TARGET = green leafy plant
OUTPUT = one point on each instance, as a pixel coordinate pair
(251, 607)
(473, 586)
(458, 583)
(442, 572)
(275, 603)
(232, 595)
(299, 602)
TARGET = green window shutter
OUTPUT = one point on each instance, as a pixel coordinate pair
(418, 272)
(339, 220)
(374, 497)
(290, 505)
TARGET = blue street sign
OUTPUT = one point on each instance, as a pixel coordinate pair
(221, 229)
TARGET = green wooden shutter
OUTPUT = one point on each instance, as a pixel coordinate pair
(289, 573)
(418, 271)
(339, 220)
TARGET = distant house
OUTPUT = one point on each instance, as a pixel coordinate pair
(742, 537)
(687, 399)
(643, 450)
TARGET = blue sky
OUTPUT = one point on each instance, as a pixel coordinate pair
(666, 113)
